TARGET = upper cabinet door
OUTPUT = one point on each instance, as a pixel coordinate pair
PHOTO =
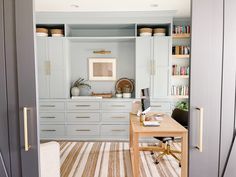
(161, 75)
(56, 55)
(161, 49)
(143, 63)
(205, 87)
(43, 67)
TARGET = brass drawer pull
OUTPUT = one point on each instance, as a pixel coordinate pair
(83, 130)
(48, 117)
(118, 117)
(83, 105)
(118, 105)
(82, 117)
(157, 106)
(118, 130)
(47, 106)
(26, 138)
(48, 130)
(200, 143)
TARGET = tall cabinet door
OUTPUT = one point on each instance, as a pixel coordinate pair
(56, 55)
(4, 136)
(143, 63)
(205, 87)
(161, 51)
(43, 67)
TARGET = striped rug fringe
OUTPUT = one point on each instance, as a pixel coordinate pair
(111, 159)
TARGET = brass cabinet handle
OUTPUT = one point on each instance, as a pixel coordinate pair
(118, 105)
(82, 105)
(47, 106)
(82, 117)
(118, 117)
(26, 143)
(200, 143)
(157, 106)
(48, 130)
(83, 130)
(118, 130)
(52, 117)
(47, 65)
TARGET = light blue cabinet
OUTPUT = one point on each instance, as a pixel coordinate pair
(152, 65)
(52, 73)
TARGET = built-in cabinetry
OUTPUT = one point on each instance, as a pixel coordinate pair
(62, 60)
(52, 68)
(152, 65)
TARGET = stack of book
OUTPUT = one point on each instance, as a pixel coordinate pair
(180, 70)
(180, 29)
(179, 90)
(180, 50)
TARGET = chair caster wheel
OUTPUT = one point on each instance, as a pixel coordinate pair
(152, 153)
(156, 162)
(179, 164)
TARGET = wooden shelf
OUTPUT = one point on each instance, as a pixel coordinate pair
(181, 56)
(101, 39)
(180, 76)
(178, 36)
(180, 96)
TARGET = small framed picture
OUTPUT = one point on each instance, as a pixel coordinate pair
(102, 69)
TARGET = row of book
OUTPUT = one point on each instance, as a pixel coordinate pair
(180, 70)
(180, 90)
(179, 29)
(180, 50)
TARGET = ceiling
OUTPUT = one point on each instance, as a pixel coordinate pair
(181, 6)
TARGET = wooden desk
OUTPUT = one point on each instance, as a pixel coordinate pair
(168, 128)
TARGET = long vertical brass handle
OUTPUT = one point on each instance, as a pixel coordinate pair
(154, 67)
(200, 145)
(151, 67)
(27, 146)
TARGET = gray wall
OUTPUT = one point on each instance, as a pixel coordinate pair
(124, 52)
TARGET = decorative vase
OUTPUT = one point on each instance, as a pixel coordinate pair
(75, 91)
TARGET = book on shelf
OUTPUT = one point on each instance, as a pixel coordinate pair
(180, 70)
(180, 90)
(180, 29)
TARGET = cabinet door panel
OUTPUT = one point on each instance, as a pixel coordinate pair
(161, 50)
(161, 82)
(43, 64)
(143, 63)
(56, 56)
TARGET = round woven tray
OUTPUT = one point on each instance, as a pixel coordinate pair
(123, 82)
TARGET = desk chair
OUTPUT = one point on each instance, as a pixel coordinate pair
(182, 118)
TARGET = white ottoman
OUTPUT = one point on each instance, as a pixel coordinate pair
(50, 159)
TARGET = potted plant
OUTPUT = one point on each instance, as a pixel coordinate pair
(181, 113)
(75, 89)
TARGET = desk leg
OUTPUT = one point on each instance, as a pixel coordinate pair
(184, 155)
(130, 137)
(136, 155)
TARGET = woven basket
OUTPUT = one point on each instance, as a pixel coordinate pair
(159, 30)
(42, 30)
(145, 30)
(56, 31)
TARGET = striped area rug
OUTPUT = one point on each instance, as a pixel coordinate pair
(111, 159)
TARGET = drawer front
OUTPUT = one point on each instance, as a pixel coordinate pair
(51, 117)
(115, 117)
(83, 105)
(47, 131)
(51, 106)
(160, 106)
(109, 105)
(83, 130)
(114, 130)
(79, 117)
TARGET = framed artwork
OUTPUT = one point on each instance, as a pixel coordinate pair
(102, 69)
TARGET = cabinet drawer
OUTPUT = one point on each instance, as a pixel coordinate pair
(115, 117)
(79, 117)
(83, 105)
(109, 105)
(51, 116)
(114, 130)
(51, 106)
(47, 131)
(160, 106)
(83, 130)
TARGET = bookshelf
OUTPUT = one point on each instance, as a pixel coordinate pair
(180, 60)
